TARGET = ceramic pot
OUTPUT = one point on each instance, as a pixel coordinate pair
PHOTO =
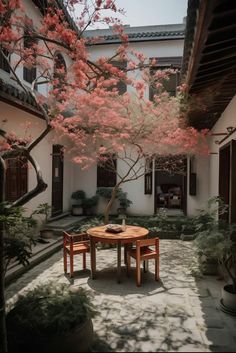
(78, 339)
(228, 299)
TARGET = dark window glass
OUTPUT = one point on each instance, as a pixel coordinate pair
(171, 84)
(3, 62)
(148, 178)
(106, 173)
(29, 74)
(59, 69)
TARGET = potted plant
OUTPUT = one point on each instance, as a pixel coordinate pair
(124, 203)
(77, 208)
(89, 204)
(45, 210)
(51, 318)
(215, 241)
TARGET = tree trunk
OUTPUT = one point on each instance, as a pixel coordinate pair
(110, 203)
(3, 331)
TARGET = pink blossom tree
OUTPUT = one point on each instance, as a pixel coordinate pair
(83, 105)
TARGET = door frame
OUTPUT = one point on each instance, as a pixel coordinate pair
(227, 179)
(184, 189)
(56, 152)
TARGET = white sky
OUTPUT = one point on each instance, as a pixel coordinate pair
(152, 12)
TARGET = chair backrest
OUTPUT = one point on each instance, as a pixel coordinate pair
(73, 238)
(147, 242)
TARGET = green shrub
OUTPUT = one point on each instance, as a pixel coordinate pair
(50, 308)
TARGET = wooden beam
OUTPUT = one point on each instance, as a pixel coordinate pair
(215, 68)
(201, 34)
(217, 60)
(224, 13)
(222, 49)
(228, 70)
(220, 42)
(222, 29)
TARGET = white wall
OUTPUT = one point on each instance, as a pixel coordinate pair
(228, 118)
(86, 180)
(16, 122)
(207, 169)
(201, 168)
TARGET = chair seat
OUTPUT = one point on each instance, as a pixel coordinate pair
(143, 251)
(79, 247)
(75, 244)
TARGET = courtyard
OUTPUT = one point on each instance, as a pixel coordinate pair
(179, 313)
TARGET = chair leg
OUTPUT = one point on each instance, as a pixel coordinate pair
(84, 261)
(65, 261)
(157, 270)
(145, 266)
(71, 265)
(128, 264)
(138, 272)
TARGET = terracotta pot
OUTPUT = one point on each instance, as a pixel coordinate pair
(46, 233)
(79, 339)
(77, 210)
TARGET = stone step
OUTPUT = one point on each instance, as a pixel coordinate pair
(40, 253)
(65, 223)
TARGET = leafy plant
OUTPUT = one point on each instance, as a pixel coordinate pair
(78, 195)
(90, 202)
(48, 309)
(94, 222)
(19, 235)
(214, 237)
(123, 200)
(43, 209)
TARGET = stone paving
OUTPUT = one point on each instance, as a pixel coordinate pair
(178, 314)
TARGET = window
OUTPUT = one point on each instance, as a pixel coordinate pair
(148, 177)
(173, 81)
(29, 73)
(106, 173)
(121, 86)
(16, 178)
(3, 62)
(59, 69)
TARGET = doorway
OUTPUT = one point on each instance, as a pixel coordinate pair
(170, 190)
(57, 179)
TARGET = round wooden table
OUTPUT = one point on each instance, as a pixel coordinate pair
(99, 234)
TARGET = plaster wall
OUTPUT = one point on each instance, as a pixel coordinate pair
(87, 180)
(227, 119)
(16, 122)
(207, 169)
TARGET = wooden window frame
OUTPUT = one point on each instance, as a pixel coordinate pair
(148, 177)
(19, 167)
(29, 74)
(166, 63)
(3, 62)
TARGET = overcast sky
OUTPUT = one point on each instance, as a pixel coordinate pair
(152, 12)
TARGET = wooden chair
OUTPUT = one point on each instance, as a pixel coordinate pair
(74, 244)
(142, 252)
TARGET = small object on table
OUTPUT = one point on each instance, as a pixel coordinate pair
(123, 224)
(114, 228)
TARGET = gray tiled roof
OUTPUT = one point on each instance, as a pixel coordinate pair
(139, 34)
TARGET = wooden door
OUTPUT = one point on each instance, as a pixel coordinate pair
(16, 178)
(57, 180)
(227, 179)
(232, 190)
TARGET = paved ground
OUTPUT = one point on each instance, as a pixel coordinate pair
(178, 314)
